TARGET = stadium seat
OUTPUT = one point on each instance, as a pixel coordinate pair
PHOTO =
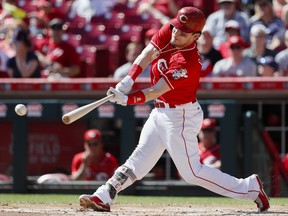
(107, 48)
(110, 19)
(4, 74)
(74, 39)
(90, 29)
(127, 34)
(206, 6)
(129, 8)
(75, 20)
(88, 60)
(145, 20)
(28, 6)
(104, 40)
(61, 6)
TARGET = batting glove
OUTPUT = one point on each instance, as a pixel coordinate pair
(125, 85)
(119, 97)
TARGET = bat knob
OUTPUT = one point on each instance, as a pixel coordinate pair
(65, 120)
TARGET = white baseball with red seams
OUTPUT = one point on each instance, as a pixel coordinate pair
(20, 109)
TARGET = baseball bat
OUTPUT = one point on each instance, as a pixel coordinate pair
(78, 113)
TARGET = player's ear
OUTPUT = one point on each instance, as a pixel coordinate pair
(196, 35)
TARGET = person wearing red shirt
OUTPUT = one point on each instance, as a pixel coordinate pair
(94, 163)
(176, 120)
(40, 18)
(209, 150)
(58, 57)
(232, 28)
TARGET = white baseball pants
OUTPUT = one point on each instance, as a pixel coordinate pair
(176, 130)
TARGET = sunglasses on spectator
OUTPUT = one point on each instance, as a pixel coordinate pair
(235, 47)
(56, 27)
(91, 144)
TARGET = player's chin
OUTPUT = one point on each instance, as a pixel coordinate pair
(176, 45)
(174, 42)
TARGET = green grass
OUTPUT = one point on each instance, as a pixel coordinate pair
(135, 200)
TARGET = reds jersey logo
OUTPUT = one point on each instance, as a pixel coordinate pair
(183, 18)
(177, 74)
(162, 65)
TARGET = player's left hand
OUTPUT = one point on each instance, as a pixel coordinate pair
(119, 97)
(125, 85)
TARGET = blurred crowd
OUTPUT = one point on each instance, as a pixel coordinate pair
(91, 38)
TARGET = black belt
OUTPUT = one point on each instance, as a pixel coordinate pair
(164, 105)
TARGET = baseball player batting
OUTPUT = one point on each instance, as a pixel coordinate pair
(175, 122)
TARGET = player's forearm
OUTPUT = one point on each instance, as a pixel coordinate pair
(160, 88)
(146, 56)
(149, 94)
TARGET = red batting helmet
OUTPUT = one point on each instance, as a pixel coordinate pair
(93, 134)
(189, 20)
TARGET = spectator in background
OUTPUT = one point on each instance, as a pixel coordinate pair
(264, 14)
(258, 49)
(235, 65)
(39, 19)
(216, 21)
(284, 16)
(278, 6)
(282, 58)
(247, 6)
(90, 8)
(209, 54)
(93, 163)
(133, 49)
(232, 28)
(58, 58)
(6, 44)
(3, 65)
(10, 10)
(160, 9)
(209, 149)
(149, 34)
(267, 67)
(25, 63)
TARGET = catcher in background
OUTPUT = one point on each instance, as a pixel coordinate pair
(209, 150)
(94, 163)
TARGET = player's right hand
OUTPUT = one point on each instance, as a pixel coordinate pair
(125, 85)
(119, 97)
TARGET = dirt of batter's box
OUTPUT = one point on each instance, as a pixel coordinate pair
(125, 210)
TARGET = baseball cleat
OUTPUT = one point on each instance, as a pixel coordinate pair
(262, 200)
(93, 202)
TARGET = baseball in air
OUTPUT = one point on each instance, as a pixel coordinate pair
(20, 109)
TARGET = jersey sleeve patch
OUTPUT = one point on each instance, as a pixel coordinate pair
(178, 73)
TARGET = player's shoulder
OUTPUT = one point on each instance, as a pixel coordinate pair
(162, 38)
